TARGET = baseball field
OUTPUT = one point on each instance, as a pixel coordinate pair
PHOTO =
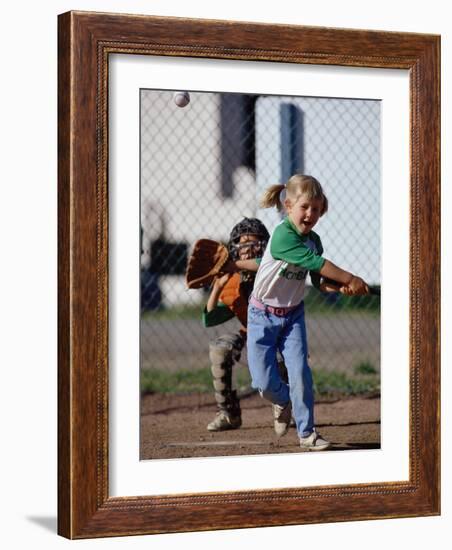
(175, 427)
(177, 399)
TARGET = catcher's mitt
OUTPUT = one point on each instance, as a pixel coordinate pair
(205, 263)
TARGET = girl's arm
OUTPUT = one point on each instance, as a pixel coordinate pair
(247, 265)
(351, 284)
(238, 265)
(325, 285)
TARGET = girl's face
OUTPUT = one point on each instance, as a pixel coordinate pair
(304, 212)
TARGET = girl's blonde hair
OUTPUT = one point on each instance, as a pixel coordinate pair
(296, 186)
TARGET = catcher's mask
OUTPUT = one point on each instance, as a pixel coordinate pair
(248, 226)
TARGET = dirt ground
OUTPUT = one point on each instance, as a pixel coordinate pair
(174, 426)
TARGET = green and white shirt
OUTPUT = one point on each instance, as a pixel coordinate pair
(280, 280)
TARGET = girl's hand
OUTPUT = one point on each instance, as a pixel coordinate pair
(356, 287)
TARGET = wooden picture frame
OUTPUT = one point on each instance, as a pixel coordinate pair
(86, 40)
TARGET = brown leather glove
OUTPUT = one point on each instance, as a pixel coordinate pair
(206, 262)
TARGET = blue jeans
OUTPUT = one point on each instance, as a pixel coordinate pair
(268, 333)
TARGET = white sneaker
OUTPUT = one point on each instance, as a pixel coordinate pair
(224, 421)
(314, 442)
(282, 417)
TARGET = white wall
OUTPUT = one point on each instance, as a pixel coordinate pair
(28, 289)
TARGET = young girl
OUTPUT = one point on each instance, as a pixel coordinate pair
(276, 308)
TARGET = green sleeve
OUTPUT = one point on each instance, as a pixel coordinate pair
(217, 316)
(289, 246)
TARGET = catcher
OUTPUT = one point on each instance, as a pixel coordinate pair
(228, 299)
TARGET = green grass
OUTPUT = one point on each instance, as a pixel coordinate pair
(315, 302)
(173, 313)
(364, 368)
(185, 380)
(362, 381)
(333, 383)
(332, 303)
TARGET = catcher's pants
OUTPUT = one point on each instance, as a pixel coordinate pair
(224, 352)
(268, 333)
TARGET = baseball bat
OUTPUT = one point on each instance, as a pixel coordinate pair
(373, 290)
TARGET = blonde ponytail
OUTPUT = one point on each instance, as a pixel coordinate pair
(297, 185)
(271, 197)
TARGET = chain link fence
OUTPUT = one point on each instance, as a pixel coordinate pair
(205, 166)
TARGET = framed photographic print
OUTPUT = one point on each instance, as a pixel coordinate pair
(213, 157)
(170, 131)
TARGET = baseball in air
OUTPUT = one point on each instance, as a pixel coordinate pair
(181, 99)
